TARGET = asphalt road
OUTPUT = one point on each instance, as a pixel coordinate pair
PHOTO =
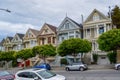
(91, 75)
(101, 74)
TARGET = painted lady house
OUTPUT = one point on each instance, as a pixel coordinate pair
(96, 24)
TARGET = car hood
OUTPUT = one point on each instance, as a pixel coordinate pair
(57, 77)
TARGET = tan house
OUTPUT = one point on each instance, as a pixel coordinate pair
(17, 42)
(96, 24)
(47, 35)
(30, 38)
(8, 44)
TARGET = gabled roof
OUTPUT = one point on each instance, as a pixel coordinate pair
(10, 38)
(20, 35)
(35, 32)
(53, 28)
(94, 11)
(72, 21)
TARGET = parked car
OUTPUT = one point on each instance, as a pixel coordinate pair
(37, 74)
(76, 66)
(4, 75)
(43, 65)
(117, 66)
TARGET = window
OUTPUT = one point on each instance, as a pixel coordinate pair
(49, 39)
(23, 74)
(43, 41)
(46, 30)
(62, 38)
(101, 29)
(67, 26)
(95, 17)
(53, 39)
(88, 32)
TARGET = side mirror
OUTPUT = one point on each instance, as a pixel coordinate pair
(37, 78)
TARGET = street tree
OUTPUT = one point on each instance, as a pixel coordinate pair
(110, 40)
(24, 54)
(116, 16)
(36, 50)
(74, 46)
(47, 50)
(7, 56)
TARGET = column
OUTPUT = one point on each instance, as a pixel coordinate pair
(97, 30)
(68, 35)
(104, 27)
(74, 34)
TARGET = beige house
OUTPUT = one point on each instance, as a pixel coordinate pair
(8, 44)
(47, 35)
(96, 24)
(17, 42)
(30, 38)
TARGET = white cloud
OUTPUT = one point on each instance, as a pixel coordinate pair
(26, 13)
(9, 29)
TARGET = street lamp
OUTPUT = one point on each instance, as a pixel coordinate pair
(6, 10)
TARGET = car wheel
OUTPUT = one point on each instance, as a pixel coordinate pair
(67, 69)
(118, 68)
(81, 69)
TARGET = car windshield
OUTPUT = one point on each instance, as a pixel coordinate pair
(46, 74)
(4, 73)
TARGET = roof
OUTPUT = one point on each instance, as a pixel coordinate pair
(35, 32)
(80, 25)
(20, 35)
(72, 21)
(95, 10)
(51, 27)
(10, 38)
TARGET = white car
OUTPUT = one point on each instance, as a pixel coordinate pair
(117, 66)
(37, 74)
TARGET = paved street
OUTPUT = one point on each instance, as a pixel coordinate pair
(100, 74)
(92, 75)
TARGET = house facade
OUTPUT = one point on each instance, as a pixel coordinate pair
(30, 38)
(96, 24)
(47, 35)
(8, 44)
(17, 42)
(69, 29)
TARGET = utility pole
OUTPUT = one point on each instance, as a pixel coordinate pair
(110, 13)
(5, 10)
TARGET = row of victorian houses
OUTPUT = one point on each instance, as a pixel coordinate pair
(96, 24)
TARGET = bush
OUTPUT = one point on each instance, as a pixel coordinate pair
(63, 61)
(112, 57)
(95, 58)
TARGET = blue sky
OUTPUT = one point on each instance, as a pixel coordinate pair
(34, 13)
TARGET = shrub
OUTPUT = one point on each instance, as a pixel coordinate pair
(63, 61)
(112, 57)
(95, 58)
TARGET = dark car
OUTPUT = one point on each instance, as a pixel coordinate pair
(4, 75)
(43, 65)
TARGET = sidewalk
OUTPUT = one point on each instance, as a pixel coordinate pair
(58, 68)
(96, 67)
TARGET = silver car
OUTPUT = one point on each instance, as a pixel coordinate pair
(117, 66)
(76, 66)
